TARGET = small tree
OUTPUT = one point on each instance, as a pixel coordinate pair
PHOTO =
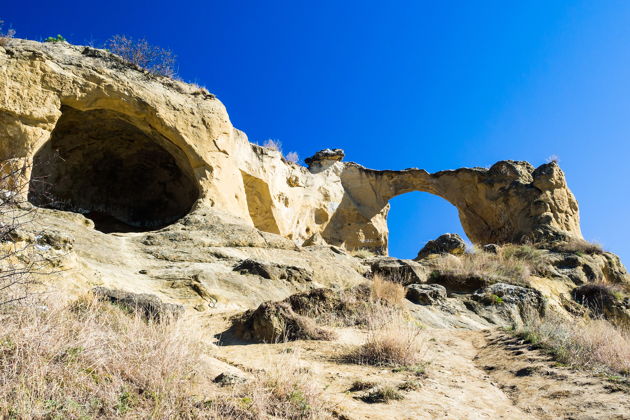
(19, 260)
(156, 59)
(5, 37)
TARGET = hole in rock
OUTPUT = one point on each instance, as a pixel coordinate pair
(418, 217)
(101, 165)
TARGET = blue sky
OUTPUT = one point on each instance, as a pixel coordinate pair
(429, 84)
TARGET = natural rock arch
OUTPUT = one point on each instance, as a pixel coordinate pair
(99, 163)
(343, 202)
(510, 202)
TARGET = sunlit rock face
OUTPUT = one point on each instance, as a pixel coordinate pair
(135, 151)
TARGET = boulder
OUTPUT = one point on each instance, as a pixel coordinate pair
(274, 322)
(345, 307)
(491, 248)
(323, 156)
(426, 294)
(582, 268)
(228, 378)
(449, 243)
(506, 304)
(402, 271)
(463, 283)
(509, 294)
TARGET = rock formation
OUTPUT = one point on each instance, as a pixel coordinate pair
(141, 193)
(135, 152)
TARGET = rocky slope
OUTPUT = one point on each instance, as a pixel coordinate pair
(142, 191)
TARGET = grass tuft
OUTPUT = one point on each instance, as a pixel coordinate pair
(590, 344)
(388, 292)
(383, 394)
(391, 340)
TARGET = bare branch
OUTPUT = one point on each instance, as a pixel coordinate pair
(156, 59)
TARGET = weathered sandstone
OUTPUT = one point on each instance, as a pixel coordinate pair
(134, 151)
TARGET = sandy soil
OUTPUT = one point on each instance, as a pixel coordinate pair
(468, 375)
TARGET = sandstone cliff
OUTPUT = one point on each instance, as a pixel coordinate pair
(137, 151)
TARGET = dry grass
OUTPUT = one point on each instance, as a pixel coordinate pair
(286, 390)
(576, 245)
(512, 263)
(90, 359)
(391, 340)
(362, 253)
(389, 292)
(591, 344)
(5, 37)
(292, 157)
(156, 59)
(272, 144)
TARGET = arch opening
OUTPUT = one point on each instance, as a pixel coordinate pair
(417, 217)
(101, 165)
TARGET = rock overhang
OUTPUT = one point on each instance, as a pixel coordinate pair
(342, 202)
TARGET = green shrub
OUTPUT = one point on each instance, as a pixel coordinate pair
(57, 38)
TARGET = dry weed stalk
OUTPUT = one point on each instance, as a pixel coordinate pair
(92, 359)
(594, 344)
(512, 262)
(272, 144)
(391, 340)
(21, 258)
(157, 60)
(386, 291)
(5, 37)
(286, 389)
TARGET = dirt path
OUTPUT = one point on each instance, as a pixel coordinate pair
(469, 375)
(453, 387)
(539, 386)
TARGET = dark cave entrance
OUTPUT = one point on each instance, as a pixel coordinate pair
(101, 165)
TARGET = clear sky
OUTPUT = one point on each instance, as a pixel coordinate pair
(429, 84)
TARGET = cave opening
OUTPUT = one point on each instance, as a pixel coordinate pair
(125, 179)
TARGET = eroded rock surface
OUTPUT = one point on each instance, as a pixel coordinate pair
(426, 294)
(150, 306)
(69, 110)
(272, 322)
